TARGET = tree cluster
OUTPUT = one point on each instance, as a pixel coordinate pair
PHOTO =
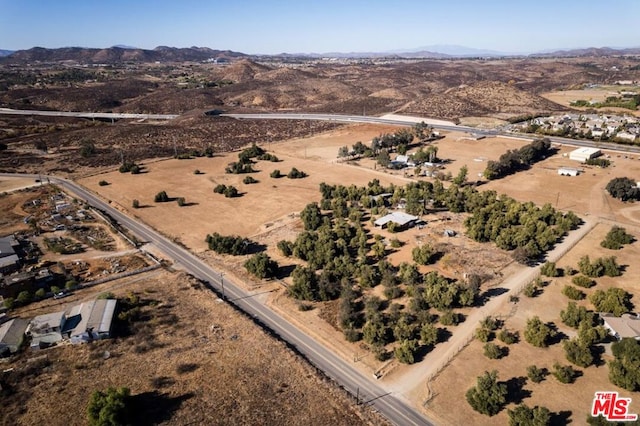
(538, 333)
(599, 267)
(488, 396)
(262, 266)
(228, 191)
(518, 159)
(614, 300)
(523, 415)
(129, 167)
(624, 370)
(623, 188)
(616, 238)
(222, 244)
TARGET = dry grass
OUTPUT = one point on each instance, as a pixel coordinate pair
(194, 360)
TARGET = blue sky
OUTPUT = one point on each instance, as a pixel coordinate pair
(293, 26)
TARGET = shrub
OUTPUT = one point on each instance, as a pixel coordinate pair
(220, 188)
(564, 373)
(181, 201)
(285, 247)
(523, 415)
(197, 172)
(296, 174)
(488, 396)
(492, 351)
(530, 290)
(40, 293)
(572, 293)
(582, 281)
(538, 333)
(549, 269)
(535, 374)
(228, 244)
(262, 266)
(161, 197)
(135, 204)
(268, 157)
(249, 180)
(616, 238)
(103, 183)
(483, 335)
(112, 407)
(275, 174)
(450, 318)
(231, 192)
(507, 337)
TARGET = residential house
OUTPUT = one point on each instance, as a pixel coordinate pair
(403, 220)
(9, 260)
(12, 335)
(625, 326)
(46, 330)
(90, 321)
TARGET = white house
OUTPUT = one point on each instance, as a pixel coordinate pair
(584, 154)
(400, 218)
(626, 136)
(626, 326)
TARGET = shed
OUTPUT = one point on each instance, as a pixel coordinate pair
(91, 320)
(12, 335)
(568, 171)
(584, 154)
(46, 329)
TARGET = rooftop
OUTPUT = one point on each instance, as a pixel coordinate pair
(627, 325)
(397, 217)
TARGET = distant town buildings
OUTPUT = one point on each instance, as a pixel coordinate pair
(620, 128)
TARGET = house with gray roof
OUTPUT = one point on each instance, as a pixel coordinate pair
(12, 335)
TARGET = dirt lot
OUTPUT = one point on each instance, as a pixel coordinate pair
(461, 374)
(209, 365)
(210, 212)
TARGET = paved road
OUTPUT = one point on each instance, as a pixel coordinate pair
(378, 120)
(392, 406)
(107, 115)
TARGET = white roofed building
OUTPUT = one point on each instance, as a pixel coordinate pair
(584, 154)
(401, 219)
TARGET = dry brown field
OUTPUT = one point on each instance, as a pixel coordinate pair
(194, 360)
(267, 216)
(565, 97)
(461, 373)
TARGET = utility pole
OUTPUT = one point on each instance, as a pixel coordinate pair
(358, 395)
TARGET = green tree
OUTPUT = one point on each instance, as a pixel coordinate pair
(573, 293)
(564, 373)
(424, 254)
(296, 174)
(305, 284)
(428, 334)
(574, 315)
(549, 269)
(249, 180)
(624, 370)
(507, 336)
(262, 266)
(383, 158)
(488, 396)
(492, 351)
(24, 297)
(276, 174)
(40, 293)
(110, 408)
(181, 201)
(405, 352)
(522, 415)
(135, 204)
(161, 197)
(311, 217)
(614, 300)
(582, 281)
(624, 189)
(461, 178)
(535, 374)
(577, 352)
(616, 238)
(285, 247)
(538, 333)
(87, 148)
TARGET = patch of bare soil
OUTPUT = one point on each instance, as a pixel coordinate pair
(189, 359)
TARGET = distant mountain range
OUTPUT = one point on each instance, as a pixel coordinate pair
(123, 53)
(119, 54)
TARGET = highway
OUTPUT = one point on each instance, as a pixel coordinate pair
(105, 115)
(485, 132)
(391, 406)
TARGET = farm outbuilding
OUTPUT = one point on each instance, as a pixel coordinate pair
(91, 320)
(46, 329)
(568, 171)
(584, 154)
(12, 335)
(403, 220)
